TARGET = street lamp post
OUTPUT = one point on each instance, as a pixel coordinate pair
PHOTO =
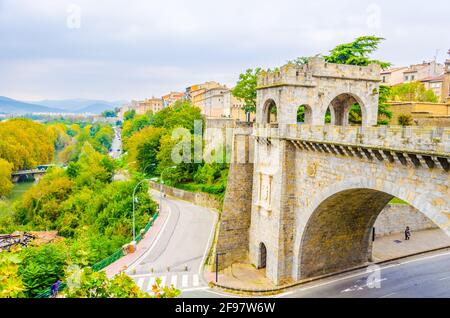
(146, 167)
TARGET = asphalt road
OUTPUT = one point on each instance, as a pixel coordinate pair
(426, 276)
(420, 277)
(179, 251)
(116, 144)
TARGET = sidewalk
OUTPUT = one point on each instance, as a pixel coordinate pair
(125, 262)
(394, 246)
(246, 276)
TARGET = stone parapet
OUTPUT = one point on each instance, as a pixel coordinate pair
(430, 140)
(305, 75)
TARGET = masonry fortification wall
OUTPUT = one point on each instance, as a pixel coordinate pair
(235, 219)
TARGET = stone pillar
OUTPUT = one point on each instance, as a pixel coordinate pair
(233, 238)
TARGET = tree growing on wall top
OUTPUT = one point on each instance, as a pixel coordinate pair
(354, 53)
(245, 89)
(357, 52)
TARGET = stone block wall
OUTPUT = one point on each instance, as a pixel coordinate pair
(198, 198)
(396, 217)
(234, 227)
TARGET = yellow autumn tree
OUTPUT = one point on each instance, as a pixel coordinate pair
(5, 177)
(25, 144)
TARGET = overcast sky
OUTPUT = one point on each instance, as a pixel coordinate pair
(123, 49)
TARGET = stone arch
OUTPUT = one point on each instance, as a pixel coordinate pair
(340, 105)
(262, 256)
(329, 242)
(270, 112)
(307, 114)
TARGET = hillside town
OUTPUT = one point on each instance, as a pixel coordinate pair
(217, 101)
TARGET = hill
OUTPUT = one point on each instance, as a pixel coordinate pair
(12, 106)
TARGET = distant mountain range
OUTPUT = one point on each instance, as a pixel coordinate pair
(12, 106)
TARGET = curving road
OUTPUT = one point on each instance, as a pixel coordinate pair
(420, 277)
(116, 148)
(180, 250)
(426, 276)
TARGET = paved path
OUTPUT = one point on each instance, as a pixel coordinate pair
(143, 246)
(179, 252)
(394, 246)
(116, 148)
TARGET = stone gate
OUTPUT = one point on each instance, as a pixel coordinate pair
(305, 206)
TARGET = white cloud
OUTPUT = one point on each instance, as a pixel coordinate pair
(131, 49)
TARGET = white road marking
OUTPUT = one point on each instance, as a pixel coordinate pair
(140, 282)
(195, 280)
(174, 280)
(195, 289)
(161, 231)
(445, 278)
(209, 243)
(151, 282)
(184, 282)
(388, 295)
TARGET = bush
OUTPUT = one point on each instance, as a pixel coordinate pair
(42, 266)
(405, 120)
(97, 285)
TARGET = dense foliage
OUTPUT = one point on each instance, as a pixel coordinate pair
(356, 52)
(5, 178)
(245, 89)
(25, 144)
(412, 92)
(153, 140)
(91, 214)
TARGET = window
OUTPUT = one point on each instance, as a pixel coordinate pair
(412, 77)
(384, 79)
(406, 78)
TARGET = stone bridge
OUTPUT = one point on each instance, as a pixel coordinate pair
(35, 174)
(302, 199)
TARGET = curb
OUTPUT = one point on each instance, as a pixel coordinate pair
(281, 289)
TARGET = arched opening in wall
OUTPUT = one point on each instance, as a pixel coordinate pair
(270, 112)
(304, 114)
(262, 256)
(355, 115)
(328, 116)
(345, 109)
(340, 232)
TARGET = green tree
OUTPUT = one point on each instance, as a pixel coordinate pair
(357, 52)
(143, 148)
(11, 285)
(129, 115)
(245, 89)
(412, 92)
(5, 178)
(109, 114)
(42, 266)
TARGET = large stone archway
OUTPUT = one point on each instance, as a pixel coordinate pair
(304, 178)
(337, 232)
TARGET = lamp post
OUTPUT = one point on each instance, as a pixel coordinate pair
(217, 265)
(134, 201)
(146, 167)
